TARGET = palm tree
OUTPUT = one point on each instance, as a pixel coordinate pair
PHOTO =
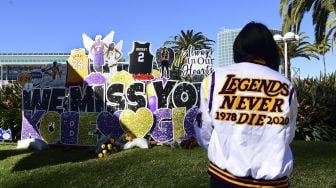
(293, 12)
(331, 33)
(303, 48)
(182, 42)
(189, 38)
(322, 48)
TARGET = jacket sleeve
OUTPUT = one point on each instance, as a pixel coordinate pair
(203, 132)
(290, 131)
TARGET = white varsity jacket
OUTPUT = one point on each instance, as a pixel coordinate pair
(248, 117)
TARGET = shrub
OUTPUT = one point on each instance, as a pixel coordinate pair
(317, 108)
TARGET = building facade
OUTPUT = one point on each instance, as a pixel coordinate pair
(225, 40)
(12, 64)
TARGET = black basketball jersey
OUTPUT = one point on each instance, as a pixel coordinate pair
(140, 59)
(165, 55)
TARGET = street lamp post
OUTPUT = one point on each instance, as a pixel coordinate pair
(287, 38)
(286, 58)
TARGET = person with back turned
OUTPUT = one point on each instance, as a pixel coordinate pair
(247, 115)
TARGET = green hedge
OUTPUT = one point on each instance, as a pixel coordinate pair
(317, 108)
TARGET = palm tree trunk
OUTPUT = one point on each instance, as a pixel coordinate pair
(324, 64)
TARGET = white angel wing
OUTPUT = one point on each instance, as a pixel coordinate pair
(119, 45)
(108, 39)
(87, 41)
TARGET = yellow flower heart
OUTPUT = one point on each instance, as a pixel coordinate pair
(138, 123)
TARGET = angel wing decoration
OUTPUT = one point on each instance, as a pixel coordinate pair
(119, 45)
(88, 42)
(108, 39)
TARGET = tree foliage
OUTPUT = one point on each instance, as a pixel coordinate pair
(10, 109)
(189, 38)
(322, 12)
(322, 48)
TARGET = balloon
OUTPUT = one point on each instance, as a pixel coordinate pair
(152, 103)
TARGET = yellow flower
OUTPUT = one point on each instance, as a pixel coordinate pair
(112, 141)
(109, 146)
(100, 155)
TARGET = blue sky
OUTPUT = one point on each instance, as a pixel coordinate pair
(57, 25)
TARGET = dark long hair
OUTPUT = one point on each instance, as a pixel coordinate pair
(255, 41)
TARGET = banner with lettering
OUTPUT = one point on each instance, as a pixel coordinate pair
(197, 62)
(162, 109)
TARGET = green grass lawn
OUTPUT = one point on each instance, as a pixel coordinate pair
(161, 166)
